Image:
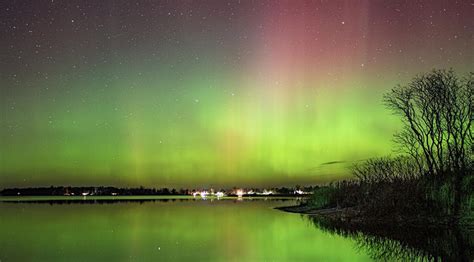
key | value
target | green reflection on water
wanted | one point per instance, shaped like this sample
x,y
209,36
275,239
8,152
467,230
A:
x,y
225,230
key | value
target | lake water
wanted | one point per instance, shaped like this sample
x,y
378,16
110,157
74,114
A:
x,y
167,230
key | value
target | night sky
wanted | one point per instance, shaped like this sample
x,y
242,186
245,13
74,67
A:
x,y
210,93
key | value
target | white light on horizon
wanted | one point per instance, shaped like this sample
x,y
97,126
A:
x,y
219,194
203,194
240,193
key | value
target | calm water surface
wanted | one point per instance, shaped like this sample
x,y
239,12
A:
x,y
194,230
180,230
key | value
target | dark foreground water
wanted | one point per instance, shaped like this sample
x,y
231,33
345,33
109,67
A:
x,y
171,230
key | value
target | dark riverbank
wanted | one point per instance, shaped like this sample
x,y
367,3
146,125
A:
x,y
308,210
352,217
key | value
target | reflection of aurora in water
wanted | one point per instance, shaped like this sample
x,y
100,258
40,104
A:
x,y
392,243
175,230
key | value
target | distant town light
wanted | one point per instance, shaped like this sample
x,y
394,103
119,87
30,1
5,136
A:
x,y
203,194
219,194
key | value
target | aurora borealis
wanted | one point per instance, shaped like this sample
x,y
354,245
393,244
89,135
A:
x,y
210,93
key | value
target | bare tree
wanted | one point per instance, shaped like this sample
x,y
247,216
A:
x,y
436,109
437,115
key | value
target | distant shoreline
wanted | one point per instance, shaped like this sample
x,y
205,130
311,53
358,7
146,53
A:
x,y
68,191
131,198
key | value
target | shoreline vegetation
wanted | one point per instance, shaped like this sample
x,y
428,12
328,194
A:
x,y
417,202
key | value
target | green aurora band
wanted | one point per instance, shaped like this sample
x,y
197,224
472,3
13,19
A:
x,y
257,110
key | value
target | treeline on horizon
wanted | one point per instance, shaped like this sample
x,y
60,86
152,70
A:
x,y
430,179
133,191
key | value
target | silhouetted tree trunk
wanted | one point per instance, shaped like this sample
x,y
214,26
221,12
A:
x,y
437,114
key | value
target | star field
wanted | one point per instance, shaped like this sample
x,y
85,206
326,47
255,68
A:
x,y
200,93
